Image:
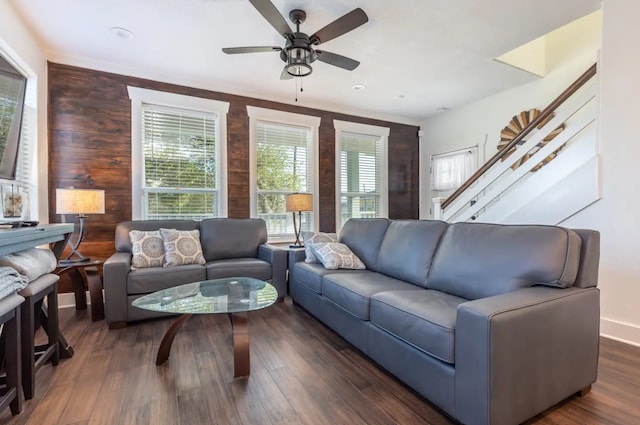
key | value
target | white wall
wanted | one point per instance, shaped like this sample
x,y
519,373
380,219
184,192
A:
x,y
482,120
616,215
17,41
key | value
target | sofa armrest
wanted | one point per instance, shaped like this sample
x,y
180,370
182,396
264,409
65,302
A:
x,y
277,257
519,353
115,271
296,255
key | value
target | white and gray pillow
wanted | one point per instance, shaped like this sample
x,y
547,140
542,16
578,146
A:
x,y
310,238
182,247
335,255
147,248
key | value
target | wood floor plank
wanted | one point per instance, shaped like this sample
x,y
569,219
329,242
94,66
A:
x,y
192,406
106,410
50,409
302,373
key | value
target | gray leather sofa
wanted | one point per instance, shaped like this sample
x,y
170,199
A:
x,y
231,247
492,323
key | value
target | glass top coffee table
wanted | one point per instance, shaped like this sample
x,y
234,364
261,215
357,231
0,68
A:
x,y
235,296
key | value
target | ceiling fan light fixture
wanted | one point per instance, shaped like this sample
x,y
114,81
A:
x,y
298,60
299,69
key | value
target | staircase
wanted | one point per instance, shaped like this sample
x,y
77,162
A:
x,y
512,188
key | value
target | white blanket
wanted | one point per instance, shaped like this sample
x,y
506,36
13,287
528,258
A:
x,y
11,281
32,263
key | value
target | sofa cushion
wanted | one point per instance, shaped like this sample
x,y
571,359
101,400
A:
x,y
181,247
425,319
476,260
143,281
245,267
407,249
310,238
364,236
353,291
310,275
223,238
123,242
335,255
147,248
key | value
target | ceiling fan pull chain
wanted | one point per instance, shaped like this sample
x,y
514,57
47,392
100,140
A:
x,y
296,89
301,90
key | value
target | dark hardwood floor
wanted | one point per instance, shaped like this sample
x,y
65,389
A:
x,y
301,373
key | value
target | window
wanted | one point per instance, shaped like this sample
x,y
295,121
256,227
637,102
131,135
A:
x,y
283,151
450,170
361,171
178,156
18,138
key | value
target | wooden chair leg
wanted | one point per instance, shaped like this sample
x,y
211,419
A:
x,y
583,392
28,347
52,324
13,360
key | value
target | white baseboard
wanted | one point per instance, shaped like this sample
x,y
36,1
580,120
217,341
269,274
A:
x,y
68,299
619,331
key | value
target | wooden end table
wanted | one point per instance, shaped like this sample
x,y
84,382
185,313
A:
x,y
81,273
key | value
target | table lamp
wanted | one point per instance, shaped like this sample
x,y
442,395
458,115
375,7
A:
x,y
81,202
298,202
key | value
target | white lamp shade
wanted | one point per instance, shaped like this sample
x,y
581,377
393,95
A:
x,y
79,201
299,202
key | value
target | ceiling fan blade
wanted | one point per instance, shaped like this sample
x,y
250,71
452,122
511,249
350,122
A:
x,y
250,49
273,16
340,26
285,75
337,60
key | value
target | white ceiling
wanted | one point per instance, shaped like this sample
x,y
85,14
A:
x,y
416,55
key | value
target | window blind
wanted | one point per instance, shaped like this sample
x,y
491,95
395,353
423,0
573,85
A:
x,y
12,93
360,176
180,163
18,118
284,165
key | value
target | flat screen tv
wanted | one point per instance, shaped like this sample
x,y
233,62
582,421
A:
x,y
13,86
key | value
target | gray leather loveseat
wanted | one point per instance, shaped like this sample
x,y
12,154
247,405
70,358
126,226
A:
x,y
492,323
231,247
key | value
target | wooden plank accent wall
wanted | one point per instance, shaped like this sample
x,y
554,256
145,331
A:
x,y
90,146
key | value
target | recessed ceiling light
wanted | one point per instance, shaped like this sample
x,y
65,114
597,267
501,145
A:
x,y
122,33
358,87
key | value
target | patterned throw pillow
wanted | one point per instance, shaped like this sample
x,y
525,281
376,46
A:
x,y
147,249
182,247
335,255
310,238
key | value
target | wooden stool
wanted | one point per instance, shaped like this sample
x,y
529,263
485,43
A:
x,y
10,317
35,356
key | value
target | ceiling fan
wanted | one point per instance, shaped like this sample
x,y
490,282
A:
x,y
298,52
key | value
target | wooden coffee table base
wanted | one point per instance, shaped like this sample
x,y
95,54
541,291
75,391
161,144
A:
x,y
240,331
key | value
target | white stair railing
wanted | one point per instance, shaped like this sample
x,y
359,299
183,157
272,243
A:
x,y
578,113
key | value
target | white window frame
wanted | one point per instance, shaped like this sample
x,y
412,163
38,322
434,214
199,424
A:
x,y
370,130
27,175
280,117
139,96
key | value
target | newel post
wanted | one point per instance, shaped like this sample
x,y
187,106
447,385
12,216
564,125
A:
x,y
437,208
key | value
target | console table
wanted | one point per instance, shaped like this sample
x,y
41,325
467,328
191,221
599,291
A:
x,y
21,238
